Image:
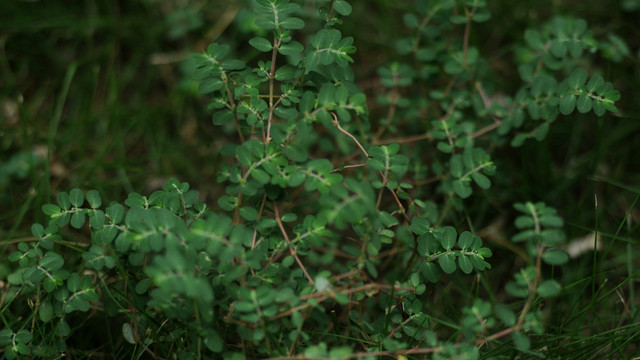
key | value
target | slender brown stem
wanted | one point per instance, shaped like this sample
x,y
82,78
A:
x,y
532,290
337,125
384,178
487,104
291,248
485,130
403,140
348,167
331,12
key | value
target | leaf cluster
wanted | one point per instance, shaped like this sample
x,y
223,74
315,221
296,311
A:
x,y
336,230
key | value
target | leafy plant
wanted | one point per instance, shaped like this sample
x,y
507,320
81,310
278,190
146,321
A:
x,y
337,231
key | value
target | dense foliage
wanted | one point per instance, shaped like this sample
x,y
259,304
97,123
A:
x,y
347,223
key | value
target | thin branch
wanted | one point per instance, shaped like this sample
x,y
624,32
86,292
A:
x,y
485,130
403,140
348,167
291,248
384,178
337,125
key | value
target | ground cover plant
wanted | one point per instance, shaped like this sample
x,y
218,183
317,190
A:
x,y
429,213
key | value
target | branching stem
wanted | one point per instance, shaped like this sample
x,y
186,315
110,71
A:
x,y
291,248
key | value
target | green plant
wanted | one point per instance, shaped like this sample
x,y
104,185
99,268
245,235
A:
x,y
339,229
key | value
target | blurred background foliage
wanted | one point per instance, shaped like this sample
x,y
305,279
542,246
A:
x,y
93,95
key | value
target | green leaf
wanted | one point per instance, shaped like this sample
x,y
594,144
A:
x,y
291,48
51,261
287,72
340,352
521,341
533,39
465,240
288,261
249,213
321,284
431,272
261,44
73,282
210,85
465,264
63,329
93,197
551,221
608,106
37,230
266,23
426,242
567,104
327,94
142,286
481,180
23,336
555,257
410,20
134,200
261,176
342,7
558,48
481,15
485,252
63,220
612,95
419,225
595,83
598,108
448,263
212,340
456,165
232,65
115,212
449,236
524,236
45,311
524,221
504,313
50,209
549,288
577,78
541,131
292,23
244,155
76,197
289,217
64,201
462,188
127,333
583,104
222,117
295,153
444,147
77,219
458,19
